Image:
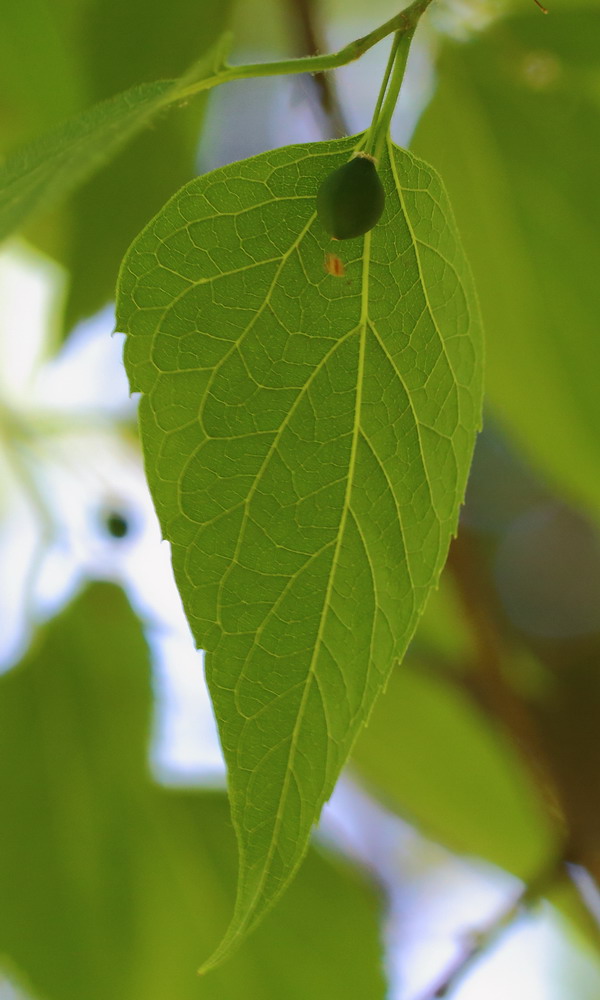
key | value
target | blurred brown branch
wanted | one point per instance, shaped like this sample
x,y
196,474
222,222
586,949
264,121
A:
x,y
478,941
488,679
556,735
309,37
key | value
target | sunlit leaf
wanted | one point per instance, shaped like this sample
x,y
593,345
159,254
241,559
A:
x,y
307,442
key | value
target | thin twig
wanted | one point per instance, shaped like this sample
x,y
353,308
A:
x,y
310,38
404,22
478,942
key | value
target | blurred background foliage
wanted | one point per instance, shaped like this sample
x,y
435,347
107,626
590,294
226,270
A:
x,y
57,59
115,885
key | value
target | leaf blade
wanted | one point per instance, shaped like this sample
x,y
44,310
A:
x,y
306,476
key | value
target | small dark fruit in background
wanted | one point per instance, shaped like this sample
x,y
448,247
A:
x,y
116,524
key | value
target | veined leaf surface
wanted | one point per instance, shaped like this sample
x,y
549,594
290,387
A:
x,y
307,441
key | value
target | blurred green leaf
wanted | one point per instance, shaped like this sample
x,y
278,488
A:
x,y
442,633
50,167
125,44
72,55
322,942
439,762
113,887
41,78
515,131
307,445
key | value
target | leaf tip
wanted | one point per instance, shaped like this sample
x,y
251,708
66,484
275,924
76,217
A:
x,y
229,943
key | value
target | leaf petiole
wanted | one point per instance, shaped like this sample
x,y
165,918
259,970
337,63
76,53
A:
x,y
367,142
375,135
400,49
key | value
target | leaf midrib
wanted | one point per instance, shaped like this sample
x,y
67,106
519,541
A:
x,y
361,329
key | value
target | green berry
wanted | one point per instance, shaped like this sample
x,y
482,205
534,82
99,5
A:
x,y
351,199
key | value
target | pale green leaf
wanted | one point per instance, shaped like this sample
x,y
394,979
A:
x,y
432,755
515,130
49,167
307,441
439,761
35,47
110,885
159,159
85,49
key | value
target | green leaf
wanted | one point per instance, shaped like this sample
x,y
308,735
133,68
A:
x,y
159,159
442,632
86,51
72,772
515,130
323,941
50,167
307,441
34,48
434,757
437,760
111,886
